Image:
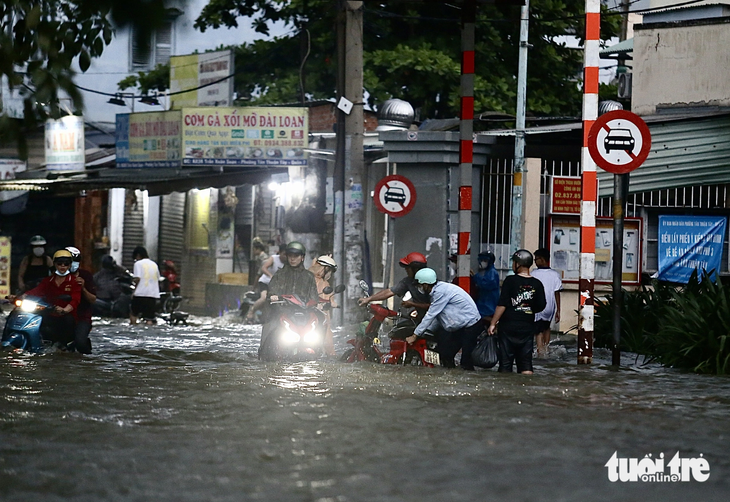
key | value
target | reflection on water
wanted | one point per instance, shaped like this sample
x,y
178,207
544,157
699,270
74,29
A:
x,y
189,413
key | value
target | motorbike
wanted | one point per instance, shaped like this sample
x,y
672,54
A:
x,y
366,344
300,327
247,302
170,298
23,325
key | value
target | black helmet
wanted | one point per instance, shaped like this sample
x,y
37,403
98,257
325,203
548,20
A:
x,y
295,247
523,258
107,261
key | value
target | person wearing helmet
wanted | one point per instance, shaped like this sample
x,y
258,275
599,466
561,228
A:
x,y
292,279
35,266
522,297
86,307
412,263
147,287
486,285
270,266
452,316
59,327
324,269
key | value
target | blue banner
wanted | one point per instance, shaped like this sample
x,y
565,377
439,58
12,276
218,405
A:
x,y
689,243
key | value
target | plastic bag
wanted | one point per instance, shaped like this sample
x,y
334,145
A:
x,y
484,354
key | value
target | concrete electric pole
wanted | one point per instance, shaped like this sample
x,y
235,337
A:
x,y
350,162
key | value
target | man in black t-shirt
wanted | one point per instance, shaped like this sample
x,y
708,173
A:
x,y
412,263
521,298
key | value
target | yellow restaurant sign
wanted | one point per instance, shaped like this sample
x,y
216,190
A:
x,y
200,136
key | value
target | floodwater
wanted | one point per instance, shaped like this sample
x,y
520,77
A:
x,y
188,414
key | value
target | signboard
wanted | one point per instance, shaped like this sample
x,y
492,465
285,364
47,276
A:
x,y
619,141
5,248
395,195
195,70
565,195
565,249
8,168
689,243
65,148
151,139
245,136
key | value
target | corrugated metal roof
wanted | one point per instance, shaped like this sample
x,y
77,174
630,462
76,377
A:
x,y
683,153
620,48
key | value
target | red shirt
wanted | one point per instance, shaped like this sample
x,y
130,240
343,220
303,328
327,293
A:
x,y
49,290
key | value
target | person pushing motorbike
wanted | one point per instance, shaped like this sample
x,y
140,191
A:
x,y
412,263
86,306
292,279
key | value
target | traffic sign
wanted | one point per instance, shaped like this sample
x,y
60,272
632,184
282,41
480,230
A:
x,y
395,195
619,141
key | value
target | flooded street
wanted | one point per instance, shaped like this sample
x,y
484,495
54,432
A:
x,y
189,414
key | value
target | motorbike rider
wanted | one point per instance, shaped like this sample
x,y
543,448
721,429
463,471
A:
x,y
454,312
268,268
35,266
412,263
324,269
86,307
292,279
107,286
60,325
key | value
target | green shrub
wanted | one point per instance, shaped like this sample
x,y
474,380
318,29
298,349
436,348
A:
x,y
695,330
684,327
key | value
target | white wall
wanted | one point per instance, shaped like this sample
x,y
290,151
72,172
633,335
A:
x,y
106,71
681,66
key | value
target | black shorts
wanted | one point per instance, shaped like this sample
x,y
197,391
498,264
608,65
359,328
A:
x,y
143,306
541,326
515,347
261,286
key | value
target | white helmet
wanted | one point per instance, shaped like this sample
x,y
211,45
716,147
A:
x,y
75,253
327,261
37,240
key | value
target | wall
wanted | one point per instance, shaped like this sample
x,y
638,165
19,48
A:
x,y
681,65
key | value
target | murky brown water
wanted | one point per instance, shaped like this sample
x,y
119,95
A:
x,y
187,414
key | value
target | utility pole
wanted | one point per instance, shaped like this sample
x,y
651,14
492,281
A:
x,y
589,193
350,161
466,142
517,237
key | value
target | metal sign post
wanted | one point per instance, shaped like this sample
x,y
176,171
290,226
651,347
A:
x,y
618,142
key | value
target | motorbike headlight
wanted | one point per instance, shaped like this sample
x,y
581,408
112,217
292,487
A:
x,y
28,305
288,336
313,336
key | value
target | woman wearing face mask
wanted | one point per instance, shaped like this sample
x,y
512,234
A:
x,y
324,269
60,326
86,307
35,266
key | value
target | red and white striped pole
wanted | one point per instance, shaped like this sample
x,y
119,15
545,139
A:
x,y
588,190
466,144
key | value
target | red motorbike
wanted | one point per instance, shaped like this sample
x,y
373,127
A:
x,y
299,330
365,345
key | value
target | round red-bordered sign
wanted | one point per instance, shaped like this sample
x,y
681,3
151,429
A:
x,y
394,195
619,141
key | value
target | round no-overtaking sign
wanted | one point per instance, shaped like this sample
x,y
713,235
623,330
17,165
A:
x,y
395,195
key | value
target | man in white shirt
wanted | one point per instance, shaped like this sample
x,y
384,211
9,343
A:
x,y
553,285
147,290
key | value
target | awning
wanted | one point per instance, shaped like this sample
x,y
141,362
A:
x,y
157,181
620,50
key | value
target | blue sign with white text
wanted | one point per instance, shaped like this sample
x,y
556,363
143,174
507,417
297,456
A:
x,y
689,243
